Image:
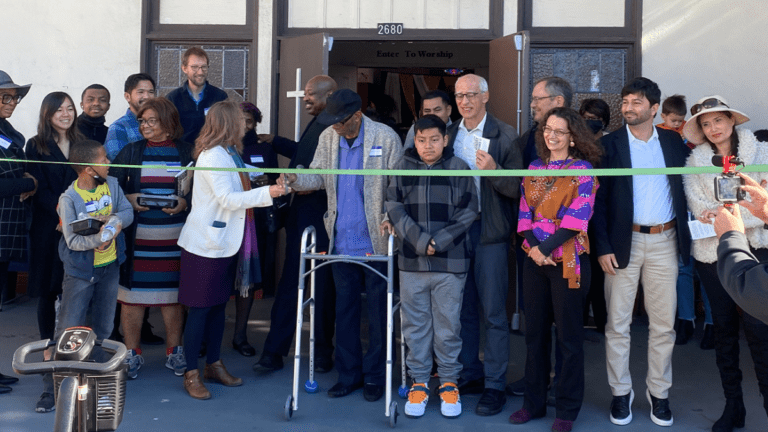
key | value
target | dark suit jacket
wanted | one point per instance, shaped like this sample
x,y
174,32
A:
x,y
614,206
497,194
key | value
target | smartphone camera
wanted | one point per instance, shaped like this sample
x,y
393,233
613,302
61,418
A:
x,y
728,189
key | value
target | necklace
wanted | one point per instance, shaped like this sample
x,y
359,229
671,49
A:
x,y
551,180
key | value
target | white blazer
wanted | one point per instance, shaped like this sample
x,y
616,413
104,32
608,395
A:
x,y
215,226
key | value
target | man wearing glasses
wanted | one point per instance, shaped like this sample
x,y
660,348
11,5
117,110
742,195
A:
x,y
196,95
138,88
549,92
486,143
353,220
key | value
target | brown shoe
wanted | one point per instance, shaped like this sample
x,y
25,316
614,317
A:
x,y
216,372
194,386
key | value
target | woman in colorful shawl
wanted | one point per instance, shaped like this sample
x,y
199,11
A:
x,y
554,214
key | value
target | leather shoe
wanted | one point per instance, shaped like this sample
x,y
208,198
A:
x,y
516,388
475,386
194,386
5,379
216,372
323,365
491,402
268,363
5,389
244,348
733,416
340,390
373,392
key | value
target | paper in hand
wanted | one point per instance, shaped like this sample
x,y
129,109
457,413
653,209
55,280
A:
x,y
701,230
481,143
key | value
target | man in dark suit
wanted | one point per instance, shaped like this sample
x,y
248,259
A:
x,y
307,208
640,229
489,235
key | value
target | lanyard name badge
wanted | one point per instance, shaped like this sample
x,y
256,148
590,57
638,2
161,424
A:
x,y
5,142
257,159
376,151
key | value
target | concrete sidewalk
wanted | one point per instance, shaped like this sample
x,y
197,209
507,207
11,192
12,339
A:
x,y
156,400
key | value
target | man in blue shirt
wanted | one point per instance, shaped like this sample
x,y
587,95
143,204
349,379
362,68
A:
x,y
196,95
355,213
138,88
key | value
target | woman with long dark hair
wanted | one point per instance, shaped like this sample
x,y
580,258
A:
x,y
554,214
57,133
218,241
712,128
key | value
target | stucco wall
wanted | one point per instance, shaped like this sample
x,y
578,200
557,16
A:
x,y
704,47
67,45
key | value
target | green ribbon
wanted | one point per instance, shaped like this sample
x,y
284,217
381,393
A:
x,y
600,172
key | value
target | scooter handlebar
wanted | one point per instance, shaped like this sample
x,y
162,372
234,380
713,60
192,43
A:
x,y
21,366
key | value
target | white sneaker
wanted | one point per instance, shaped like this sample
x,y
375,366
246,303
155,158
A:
x,y
450,401
134,362
176,361
418,396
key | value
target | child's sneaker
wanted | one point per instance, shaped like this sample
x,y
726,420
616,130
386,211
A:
x,y
450,401
46,403
134,362
418,397
176,361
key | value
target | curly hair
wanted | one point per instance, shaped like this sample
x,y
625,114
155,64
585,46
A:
x,y
251,109
585,146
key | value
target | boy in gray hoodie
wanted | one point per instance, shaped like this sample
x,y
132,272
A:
x,y
430,216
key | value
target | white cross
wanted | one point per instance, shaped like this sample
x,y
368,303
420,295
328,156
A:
x,y
299,95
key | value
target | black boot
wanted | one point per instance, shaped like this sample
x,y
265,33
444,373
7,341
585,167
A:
x,y
733,416
708,339
684,330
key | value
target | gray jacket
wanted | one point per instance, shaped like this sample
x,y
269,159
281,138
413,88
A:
x,y
327,157
76,251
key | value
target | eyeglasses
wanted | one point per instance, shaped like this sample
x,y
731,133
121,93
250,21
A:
x,y
151,122
343,122
469,96
535,99
199,68
706,104
557,132
8,98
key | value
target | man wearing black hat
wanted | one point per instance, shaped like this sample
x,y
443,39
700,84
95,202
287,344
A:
x,y
355,212
306,209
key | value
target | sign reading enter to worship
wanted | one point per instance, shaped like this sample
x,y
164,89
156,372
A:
x,y
390,29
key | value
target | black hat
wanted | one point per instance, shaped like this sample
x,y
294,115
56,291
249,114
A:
x,y
340,105
7,83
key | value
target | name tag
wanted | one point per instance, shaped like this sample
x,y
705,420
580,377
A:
x,y
257,159
205,111
91,207
173,168
376,151
5,142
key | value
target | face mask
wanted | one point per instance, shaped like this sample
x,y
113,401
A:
x,y
595,125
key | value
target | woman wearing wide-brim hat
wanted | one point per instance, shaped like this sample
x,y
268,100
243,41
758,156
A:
x,y
16,185
712,128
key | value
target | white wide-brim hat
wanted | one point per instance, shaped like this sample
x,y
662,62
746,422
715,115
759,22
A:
x,y
692,131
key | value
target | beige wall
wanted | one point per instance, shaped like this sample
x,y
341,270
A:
x,y
67,45
704,47
357,14
203,12
578,13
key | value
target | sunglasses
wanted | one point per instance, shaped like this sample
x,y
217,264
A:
x,y
707,104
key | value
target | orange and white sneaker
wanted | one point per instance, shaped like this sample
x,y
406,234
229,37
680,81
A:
x,y
418,397
450,401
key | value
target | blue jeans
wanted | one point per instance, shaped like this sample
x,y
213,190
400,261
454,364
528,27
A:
x,y
486,288
351,280
100,293
686,295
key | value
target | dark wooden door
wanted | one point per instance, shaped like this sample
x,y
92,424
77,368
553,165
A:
x,y
507,78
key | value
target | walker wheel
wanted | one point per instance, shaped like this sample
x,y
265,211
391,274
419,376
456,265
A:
x,y
403,392
311,387
289,408
393,414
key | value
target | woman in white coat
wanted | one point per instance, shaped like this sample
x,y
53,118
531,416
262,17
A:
x,y
713,129
218,242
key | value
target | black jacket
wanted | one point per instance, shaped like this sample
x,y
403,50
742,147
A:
x,y
497,194
743,277
92,128
129,180
614,205
527,145
192,115
14,215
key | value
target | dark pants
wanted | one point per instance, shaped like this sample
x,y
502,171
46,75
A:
x,y
725,315
548,299
305,210
351,280
207,324
485,292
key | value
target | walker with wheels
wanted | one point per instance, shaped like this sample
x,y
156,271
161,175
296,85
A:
x,y
90,396
309,253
